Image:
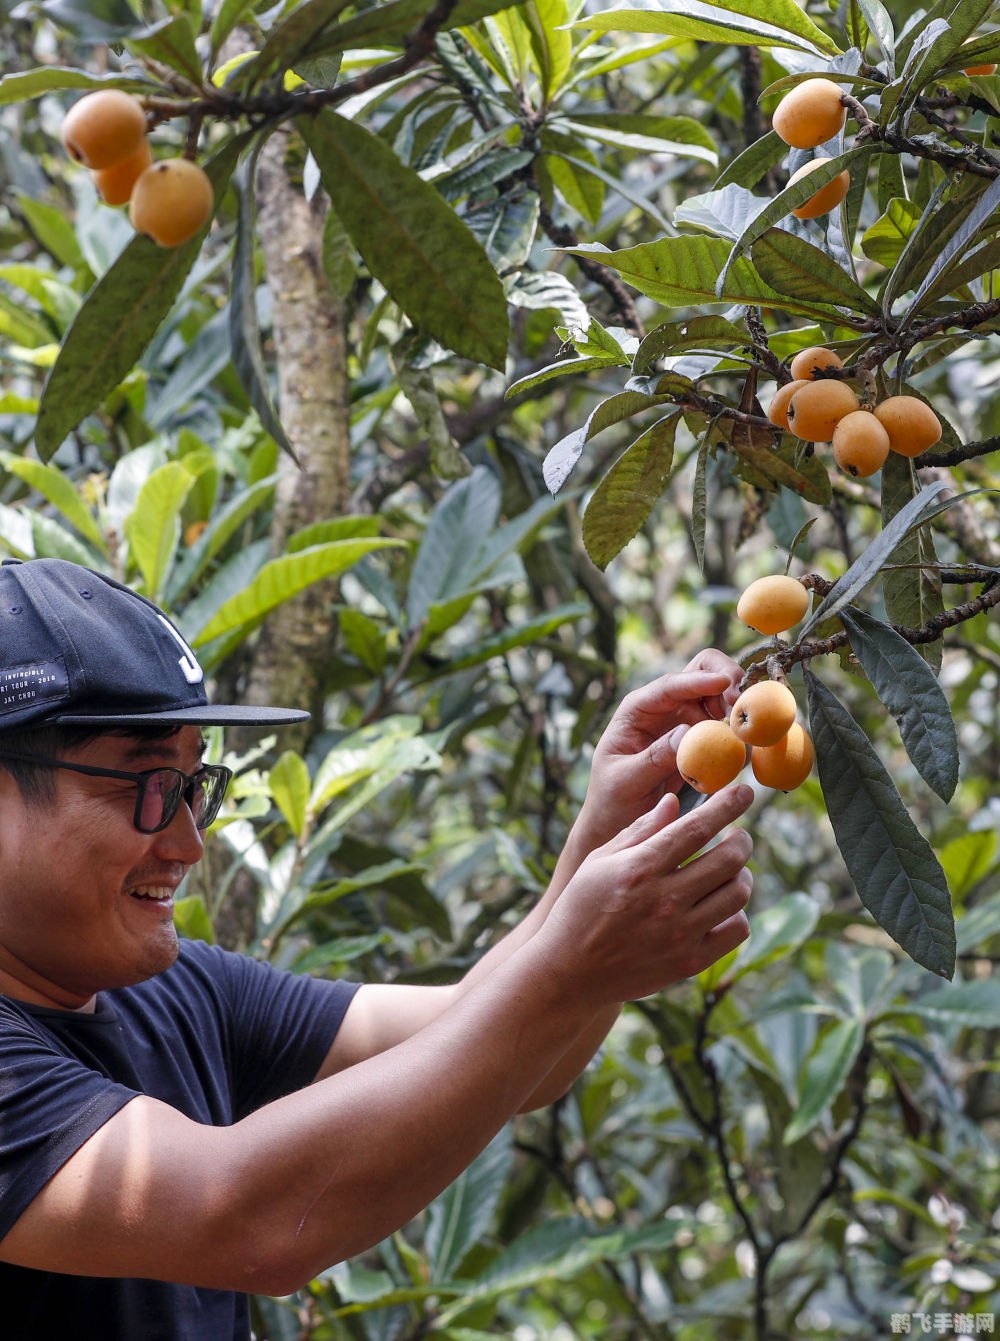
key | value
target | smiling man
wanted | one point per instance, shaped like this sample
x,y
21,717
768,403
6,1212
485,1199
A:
x,y
181,1126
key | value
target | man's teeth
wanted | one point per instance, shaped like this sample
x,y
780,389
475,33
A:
x,y
159,893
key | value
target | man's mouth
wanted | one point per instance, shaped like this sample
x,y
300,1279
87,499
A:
x,y
153,893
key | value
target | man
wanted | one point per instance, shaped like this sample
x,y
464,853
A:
x,y
181,1126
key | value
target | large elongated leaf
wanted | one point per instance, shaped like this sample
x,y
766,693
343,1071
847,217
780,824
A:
x,y
171,42
118,320
975,1005
775,932
560,459
978,217
759,23
460,1216
911,587
793,266
23,84
411,240
391,23
284,577
153,527
629,491
823,1076
865,568
896,874
682,272
244,331
58,489
910,690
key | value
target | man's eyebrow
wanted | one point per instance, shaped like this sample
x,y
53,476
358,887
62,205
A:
x,y
167,747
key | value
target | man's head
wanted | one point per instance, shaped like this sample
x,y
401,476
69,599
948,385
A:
x,y
102,788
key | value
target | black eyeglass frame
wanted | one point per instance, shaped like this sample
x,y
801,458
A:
x,y
141,780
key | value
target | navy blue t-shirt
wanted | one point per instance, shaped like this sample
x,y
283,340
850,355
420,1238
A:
x,y
216,1036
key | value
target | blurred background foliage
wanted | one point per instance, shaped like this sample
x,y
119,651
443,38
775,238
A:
x,y
804,1140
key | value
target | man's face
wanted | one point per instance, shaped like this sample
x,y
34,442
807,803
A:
x,y
86,900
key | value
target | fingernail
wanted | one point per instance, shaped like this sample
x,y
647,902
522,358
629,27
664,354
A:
x,y
744,794
675,736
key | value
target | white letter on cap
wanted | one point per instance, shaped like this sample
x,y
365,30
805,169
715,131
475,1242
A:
x,y
188,663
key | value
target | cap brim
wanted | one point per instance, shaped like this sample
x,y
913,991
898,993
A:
x,y
206,714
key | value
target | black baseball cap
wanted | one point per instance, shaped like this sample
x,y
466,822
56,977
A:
x,y
79,648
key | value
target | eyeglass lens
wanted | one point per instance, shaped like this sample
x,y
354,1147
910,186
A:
x,y
162,795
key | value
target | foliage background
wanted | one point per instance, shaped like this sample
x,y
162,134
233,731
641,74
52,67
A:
x,y
805,1140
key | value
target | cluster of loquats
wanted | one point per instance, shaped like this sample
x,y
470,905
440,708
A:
x,y
820,408
169,200
807,117
763,718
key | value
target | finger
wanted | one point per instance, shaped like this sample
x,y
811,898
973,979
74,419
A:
x,y
677,841
723,938
726,899
711,659
718,863
664,813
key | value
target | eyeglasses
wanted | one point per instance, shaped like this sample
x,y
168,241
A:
x,y
160,789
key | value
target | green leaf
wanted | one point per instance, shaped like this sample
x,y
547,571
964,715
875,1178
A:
x,y
824,1074
793,266
911,590
796,193
392,23
54,231
57,488
458,1219
244,331
171,43
910,690
978,218
118,319
775,933
968,859
531,631
222,525
284,577
411,240
972,1005
759,23
93,20
24,84
629,491
679,135
290,786
551,44
682,272
226,18
560,459
677,337
895,872
20,326
153,527
450,559
699,501
884,241
191,918
868,565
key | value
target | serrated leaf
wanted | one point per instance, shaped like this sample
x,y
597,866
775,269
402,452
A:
x,y
54,231
896,874
824,1074
629,491
20,85
759,23
282,578
392,23
790,197
699,501
117,320
564,368
290,786
682,272
411,240
793,266
682,136
880,26
291,38
868,565
979,216
221,527
676,337
884,241
910,690
560,459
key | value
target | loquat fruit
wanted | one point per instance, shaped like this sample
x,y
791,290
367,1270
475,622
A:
x,y
860,444
171,201
777,411
787,764
911,425
773,604
103,128
710,756
816,409
810,114
808,362
763,713
115,183
827,198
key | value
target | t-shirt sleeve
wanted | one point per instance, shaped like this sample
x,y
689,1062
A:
x,y
280,1025
50,1104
